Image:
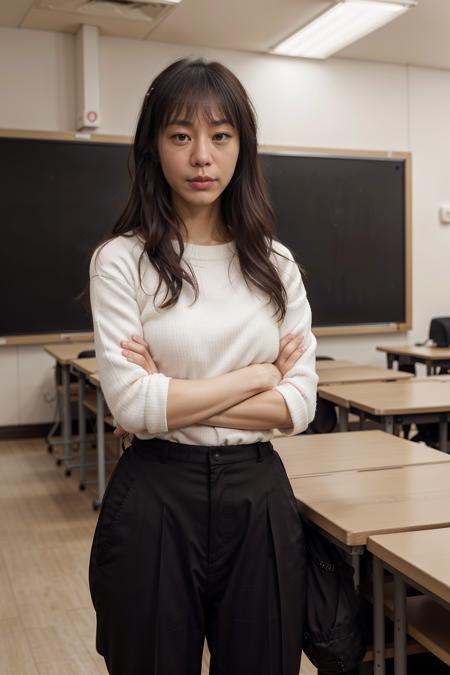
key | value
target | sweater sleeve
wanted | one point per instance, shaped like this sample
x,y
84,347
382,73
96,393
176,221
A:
x,y
136,399
299,384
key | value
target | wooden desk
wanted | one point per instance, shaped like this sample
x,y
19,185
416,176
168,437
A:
x,y
422,556
334,363
95,379
351,506
420,559
86,366
351,451
82,368
64,353
414,400
430,356
359,373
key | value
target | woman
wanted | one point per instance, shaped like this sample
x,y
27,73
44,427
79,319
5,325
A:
x,y
199,533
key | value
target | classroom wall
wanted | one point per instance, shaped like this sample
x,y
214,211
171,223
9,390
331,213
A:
x,y
337,103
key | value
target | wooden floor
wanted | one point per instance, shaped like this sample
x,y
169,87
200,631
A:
x,y
47,623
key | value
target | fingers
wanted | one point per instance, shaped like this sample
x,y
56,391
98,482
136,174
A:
x,y
135,346
138,338
119,431
290,343
291,348
136,358
294,355
290,336
286,340
295,344
137,351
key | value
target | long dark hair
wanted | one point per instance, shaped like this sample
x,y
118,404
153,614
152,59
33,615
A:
x,y
188,85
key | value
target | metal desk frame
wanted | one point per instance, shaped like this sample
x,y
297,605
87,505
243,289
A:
x,y
401,581
431,364
389,421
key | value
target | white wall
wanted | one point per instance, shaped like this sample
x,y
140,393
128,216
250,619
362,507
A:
x,y
338,103
37,86
430,143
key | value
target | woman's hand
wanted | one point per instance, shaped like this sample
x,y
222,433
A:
x,y
136,351
120,431
291,348
272,373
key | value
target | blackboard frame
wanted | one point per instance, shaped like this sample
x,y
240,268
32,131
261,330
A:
x,y
406,157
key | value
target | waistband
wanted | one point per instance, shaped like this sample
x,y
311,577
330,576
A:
x,y
169,451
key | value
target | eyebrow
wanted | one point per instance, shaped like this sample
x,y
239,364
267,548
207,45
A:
x,y
188,123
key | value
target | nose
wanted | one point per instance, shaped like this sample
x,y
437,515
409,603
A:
x,y
201,154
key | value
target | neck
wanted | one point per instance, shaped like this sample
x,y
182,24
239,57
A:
x,y
202,223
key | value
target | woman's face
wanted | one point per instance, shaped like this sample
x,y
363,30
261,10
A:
x,y
199,149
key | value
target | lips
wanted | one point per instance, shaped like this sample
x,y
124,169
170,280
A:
x,y
201,179
201,182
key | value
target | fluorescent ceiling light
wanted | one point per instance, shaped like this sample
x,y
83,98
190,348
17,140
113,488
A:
x,y
339,26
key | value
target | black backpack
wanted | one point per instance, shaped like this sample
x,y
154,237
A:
x,y
334,639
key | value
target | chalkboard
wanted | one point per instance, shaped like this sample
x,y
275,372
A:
x,y
58,199
343,218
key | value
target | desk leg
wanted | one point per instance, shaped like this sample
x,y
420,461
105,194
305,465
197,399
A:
x,y
389,424
67,419
343,419
378,617
390,360
362,421
82,429
429,366
400,667
100,448
356,560
443,432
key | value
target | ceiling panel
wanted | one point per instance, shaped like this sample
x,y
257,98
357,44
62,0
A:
x,y
253,25
419,37
13,11
69,22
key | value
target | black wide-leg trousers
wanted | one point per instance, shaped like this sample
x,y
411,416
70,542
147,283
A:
x,y
194,541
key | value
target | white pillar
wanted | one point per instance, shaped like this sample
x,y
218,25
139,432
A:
x,y
87,76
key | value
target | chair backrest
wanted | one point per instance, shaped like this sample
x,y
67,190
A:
x,y
405,365
325,419
87,354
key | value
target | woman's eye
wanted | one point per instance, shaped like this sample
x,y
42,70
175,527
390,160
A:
x,y
223,136
180,137
183,138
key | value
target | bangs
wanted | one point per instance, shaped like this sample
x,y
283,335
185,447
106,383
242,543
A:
x,y
198,93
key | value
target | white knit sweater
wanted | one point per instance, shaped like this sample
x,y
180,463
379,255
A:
x,y
229,326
